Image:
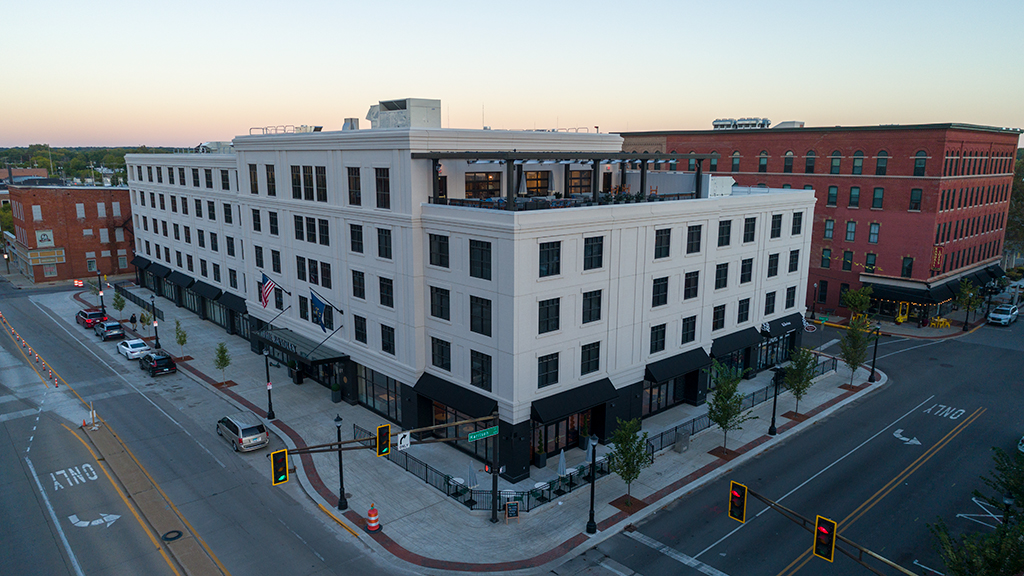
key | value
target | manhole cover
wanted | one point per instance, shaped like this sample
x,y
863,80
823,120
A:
x,y
934,359
946,365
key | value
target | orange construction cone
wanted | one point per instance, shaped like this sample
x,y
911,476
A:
x,y
55,383
372,523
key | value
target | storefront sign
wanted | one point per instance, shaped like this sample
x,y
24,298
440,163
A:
x,y
937,251
280,342
44,238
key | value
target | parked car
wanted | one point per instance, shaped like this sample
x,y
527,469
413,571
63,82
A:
x,y
1004,314
90,316
157,363
109,330
243,431
1020,445
133,349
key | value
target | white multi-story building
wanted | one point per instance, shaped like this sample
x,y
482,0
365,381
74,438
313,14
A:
x,y
467,271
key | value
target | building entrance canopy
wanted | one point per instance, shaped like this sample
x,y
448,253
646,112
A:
x,y
678,365
454,396
573,401
298,346
725,345
784,325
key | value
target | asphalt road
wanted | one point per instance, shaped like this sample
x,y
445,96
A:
x,y
883,468
169,424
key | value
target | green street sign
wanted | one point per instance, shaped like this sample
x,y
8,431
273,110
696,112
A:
x,y
485,433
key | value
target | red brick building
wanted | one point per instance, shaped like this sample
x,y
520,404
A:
x,y
61,233
908,209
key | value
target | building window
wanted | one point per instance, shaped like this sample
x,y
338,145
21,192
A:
x,y
550,259
271,219
794,260
836,159
321,183
662,243
724,232
548,313
271,181
920,159
202,268
876,198
593,253
690,282
358,285
873,233
480,315
693,239
869,263
881,163
776,230
718,317
275,261
480,259
227,212
387,339
851,231
915,199
822,291
826,257
314,268
296,182
908,267
324,232
438,250
749,228
689,329
858,162
216,272
359,325
659,292
773,265
310,229
829,229
441,354
843,289
440,303
790,297
787,162
307,182
743,311
591,306
387,292
300,268
854,197
833,196
736,161
208,173
847,260
762,161
746,270
200,236
279,298
547,370
213,242
480,370
383,181
488,184
809,162
590,358
657,338
769,303
798,223
188,261
356,235
384,243
721,276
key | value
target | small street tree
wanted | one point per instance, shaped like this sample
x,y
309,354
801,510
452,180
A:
x,y
859,300
145,319
222,360
725,409
118,303
629,457
853,348
968,298
799,373
180,336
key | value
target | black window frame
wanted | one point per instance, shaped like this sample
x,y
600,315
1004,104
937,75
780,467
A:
x,y
438,248
659,292
548,315
691,284
591,306
721,275
480,315
724,233
550,259
718,317
590,358
547,370
693,234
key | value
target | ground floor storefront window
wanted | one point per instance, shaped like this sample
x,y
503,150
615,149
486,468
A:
x,y
482,449
380,393
774,351
192,301
556,436
217,313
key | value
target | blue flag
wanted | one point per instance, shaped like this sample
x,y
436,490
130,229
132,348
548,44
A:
x,y
318,310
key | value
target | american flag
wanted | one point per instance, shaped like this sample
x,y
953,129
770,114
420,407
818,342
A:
x,y
268,289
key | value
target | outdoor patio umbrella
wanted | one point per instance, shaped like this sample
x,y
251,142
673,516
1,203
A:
x,y
561,463
590,450
471,481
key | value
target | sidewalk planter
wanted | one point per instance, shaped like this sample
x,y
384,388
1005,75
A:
x,y
540,459
336,394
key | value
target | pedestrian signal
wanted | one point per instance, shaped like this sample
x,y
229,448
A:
x,y
737,501
824,538
383,439
279,467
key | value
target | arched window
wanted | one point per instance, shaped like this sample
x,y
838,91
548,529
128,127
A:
x,y
714,162
881,163
920,159
836,159
691,164
762,161
672,163
787,165
858,162
736,161
809,164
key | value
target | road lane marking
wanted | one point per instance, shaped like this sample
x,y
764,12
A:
x,y
674,554
911,348
819,473
107,519
56,522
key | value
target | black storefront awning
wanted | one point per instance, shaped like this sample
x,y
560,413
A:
x,y
669,368
140,262
554,408
299,347
205,290
784,325
730,343
180,279
945,291
233,302
158,270
462,399
996,271
902,294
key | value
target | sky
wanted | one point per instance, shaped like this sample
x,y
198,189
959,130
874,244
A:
x,y
111,73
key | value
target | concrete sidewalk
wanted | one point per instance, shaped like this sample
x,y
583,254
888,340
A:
x,y
423,526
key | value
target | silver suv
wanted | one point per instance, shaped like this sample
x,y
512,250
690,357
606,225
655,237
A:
x,y
109,330
244,431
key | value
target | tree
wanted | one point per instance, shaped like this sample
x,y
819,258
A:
x,y
629,457
968,298
180,336
222,360
1015,215
800,372
145,319
859,300
853,348
725,409
6,219
118,303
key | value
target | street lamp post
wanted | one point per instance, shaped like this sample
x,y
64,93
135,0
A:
x,y
7,261
814,303
874,356
270,399
1007,502
99,284
342,501
156,331
772,430
591,525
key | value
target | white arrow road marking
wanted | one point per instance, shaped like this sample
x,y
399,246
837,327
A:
x,y
908,441
107,519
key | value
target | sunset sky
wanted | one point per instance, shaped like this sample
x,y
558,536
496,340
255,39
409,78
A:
x,y
180,73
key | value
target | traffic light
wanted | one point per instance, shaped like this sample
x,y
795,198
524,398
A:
x,y
383,439
279,467
737,501
824,538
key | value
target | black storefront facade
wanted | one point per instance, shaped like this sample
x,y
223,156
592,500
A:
x,y
921,301
781,336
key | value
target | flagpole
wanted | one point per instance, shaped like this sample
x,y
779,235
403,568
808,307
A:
x,y
310,353
325,301
275,283
271,321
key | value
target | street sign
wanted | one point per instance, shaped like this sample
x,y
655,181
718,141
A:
x,y
403,440
485,433
810,328
269,385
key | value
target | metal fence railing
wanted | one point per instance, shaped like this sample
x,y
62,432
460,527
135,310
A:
x,y
140,302
474,499
826,365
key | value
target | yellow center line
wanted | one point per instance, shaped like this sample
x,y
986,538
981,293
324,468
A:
x,y
882,492
127,502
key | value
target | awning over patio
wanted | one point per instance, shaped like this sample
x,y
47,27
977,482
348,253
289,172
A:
x,y
180,279
233,302
205,290
458,397
904,294
158,270
140,262
554,408
669,368
724,345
